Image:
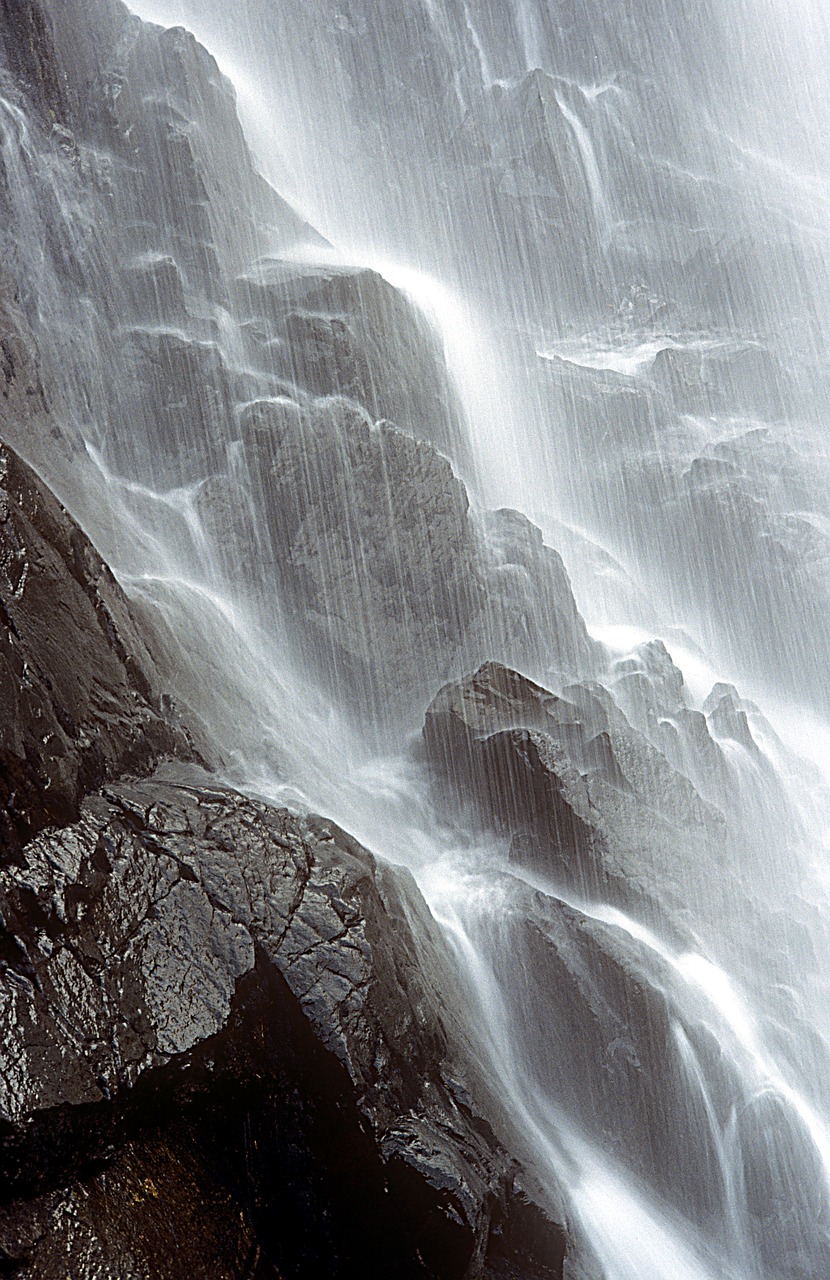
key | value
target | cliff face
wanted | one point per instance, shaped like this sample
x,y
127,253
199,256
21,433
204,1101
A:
x,y
224,1051
231,1040
235,1042
81,698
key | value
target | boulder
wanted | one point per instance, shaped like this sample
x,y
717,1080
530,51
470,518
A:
x,y
376,551
237,1012
586,800
346,331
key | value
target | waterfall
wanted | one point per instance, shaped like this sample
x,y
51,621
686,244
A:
x,y
331,451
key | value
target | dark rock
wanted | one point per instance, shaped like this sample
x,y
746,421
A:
x,y
182,389
155,1209
27,40
371,529
81,700
204,993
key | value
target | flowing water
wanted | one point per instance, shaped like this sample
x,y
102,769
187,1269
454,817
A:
x,y
614,222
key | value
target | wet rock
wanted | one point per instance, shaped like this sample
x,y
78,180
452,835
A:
x,y
735,529
376,550
586,799
725,378
531,612
157,99
81,700
203,992
592,1013
347,331
182,389
727,717
785,1185
399,572
27,40
154,1210
24,407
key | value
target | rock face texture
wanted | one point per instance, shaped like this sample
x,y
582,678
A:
x,y
416,575
573,783
757,482
328,384
224,1051
348,332
221,1005
228,1045
588,803
80,695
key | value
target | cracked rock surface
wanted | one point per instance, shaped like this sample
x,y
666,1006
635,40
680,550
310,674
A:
x,y
232,996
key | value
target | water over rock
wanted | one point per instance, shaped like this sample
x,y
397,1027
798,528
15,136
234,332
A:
x,y
82,699
347,331
225,1006
573,783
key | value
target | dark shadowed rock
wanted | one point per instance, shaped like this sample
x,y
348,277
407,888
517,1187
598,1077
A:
x,y
245,987
153,1211
80,699
27,41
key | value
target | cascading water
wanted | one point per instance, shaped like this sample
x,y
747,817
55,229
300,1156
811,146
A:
x,y
614,239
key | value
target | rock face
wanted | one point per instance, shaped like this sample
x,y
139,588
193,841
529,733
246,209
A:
x,y
225,1053
586,798
590,804
734,518
309,403
594,965
80,695
346,331
222,1000
415,575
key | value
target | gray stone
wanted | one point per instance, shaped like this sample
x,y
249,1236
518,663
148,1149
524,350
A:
x,y
82,700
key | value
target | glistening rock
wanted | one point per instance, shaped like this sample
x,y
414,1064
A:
x,y
195,981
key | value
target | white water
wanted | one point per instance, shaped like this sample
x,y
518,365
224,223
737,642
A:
x,y
282,737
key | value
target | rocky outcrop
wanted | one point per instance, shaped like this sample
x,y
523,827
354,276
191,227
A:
x,y
595,1015
585,798
157,102
224,1007
309,403
414,574
732,519
347,331
81,698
